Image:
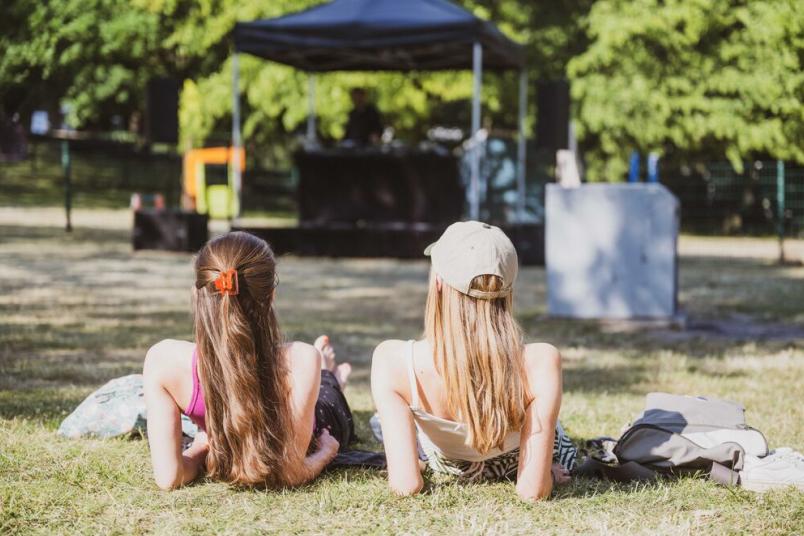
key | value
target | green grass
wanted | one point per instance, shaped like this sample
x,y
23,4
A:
x,y
77,310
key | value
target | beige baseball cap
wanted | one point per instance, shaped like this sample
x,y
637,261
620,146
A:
x,y
468,249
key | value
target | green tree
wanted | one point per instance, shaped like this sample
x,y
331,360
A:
x,y
87,53
97,56
712,77
274,96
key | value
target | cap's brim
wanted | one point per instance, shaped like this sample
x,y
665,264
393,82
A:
x,y
429,249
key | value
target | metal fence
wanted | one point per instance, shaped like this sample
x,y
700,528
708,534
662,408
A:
x,y
766,198
106,173
103,174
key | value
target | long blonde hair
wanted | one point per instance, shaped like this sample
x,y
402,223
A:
x,y
240,364
477,349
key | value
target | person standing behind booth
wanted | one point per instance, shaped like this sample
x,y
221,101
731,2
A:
x,y
365,124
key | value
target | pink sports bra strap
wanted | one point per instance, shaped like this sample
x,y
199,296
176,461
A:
x,y
192,409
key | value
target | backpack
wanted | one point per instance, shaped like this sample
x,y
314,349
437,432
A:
x,y
678,435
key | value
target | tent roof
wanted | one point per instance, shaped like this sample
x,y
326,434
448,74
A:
x,y
378,35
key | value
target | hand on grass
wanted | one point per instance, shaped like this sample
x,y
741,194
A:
x,y
326,450
560,474
327,446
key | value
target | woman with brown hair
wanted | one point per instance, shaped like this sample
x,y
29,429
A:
x,y
481,402
270,413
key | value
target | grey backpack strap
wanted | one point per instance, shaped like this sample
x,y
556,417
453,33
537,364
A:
x,y
626,472
630,471
724,476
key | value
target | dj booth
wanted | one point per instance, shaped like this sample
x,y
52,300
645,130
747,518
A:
x,y
380,202
357,202
377,185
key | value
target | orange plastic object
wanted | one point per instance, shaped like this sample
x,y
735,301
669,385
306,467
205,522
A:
x,y
226,283
210,155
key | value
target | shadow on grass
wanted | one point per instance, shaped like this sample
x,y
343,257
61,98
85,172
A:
x,y
577,488
76,336
45,406
364,436
65,370
584,487
617,378
702,338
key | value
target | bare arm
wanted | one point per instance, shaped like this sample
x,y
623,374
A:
x,y
314,464
399,431
172,468
305,367
534,479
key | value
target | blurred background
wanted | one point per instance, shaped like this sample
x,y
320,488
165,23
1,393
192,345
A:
x,y
711,90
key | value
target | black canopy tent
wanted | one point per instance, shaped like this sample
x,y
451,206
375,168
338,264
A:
x,y
386,35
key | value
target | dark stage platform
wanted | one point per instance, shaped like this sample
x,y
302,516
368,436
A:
x,y
402,241
371,185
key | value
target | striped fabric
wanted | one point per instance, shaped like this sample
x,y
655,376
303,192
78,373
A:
x,y
502,467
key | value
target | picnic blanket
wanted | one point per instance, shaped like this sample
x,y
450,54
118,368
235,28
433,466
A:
x,y
117,409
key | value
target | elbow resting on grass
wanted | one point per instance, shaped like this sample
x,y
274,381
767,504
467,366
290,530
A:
x,y
533,495
407,487
167,482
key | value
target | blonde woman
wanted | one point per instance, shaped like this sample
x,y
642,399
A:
x,y
482,403
271,413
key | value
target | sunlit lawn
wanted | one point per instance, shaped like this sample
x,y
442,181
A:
x,y
78,310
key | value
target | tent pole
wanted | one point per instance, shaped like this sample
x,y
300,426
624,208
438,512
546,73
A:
x,y
311,108
236,141
520,172
477,71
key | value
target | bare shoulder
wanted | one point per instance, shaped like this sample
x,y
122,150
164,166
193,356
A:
x,y
389,355
542,356
303,353
168,358
304,360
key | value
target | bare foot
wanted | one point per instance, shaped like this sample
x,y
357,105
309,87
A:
x,y
327,352
560,474
342,373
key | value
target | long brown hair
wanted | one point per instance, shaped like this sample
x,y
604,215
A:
x,y
240,363
477,347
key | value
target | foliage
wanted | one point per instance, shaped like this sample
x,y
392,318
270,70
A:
x,y
707,76
275,96
95,55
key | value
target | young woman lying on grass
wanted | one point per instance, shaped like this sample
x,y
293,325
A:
x,y
484,403
270,413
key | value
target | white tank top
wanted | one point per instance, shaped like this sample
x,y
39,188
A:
x,y
443,435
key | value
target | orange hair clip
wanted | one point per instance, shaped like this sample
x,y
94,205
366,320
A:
x,y
226,283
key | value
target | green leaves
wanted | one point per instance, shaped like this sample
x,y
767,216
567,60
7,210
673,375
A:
x,y
274,96
703,76
96,55
706,77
